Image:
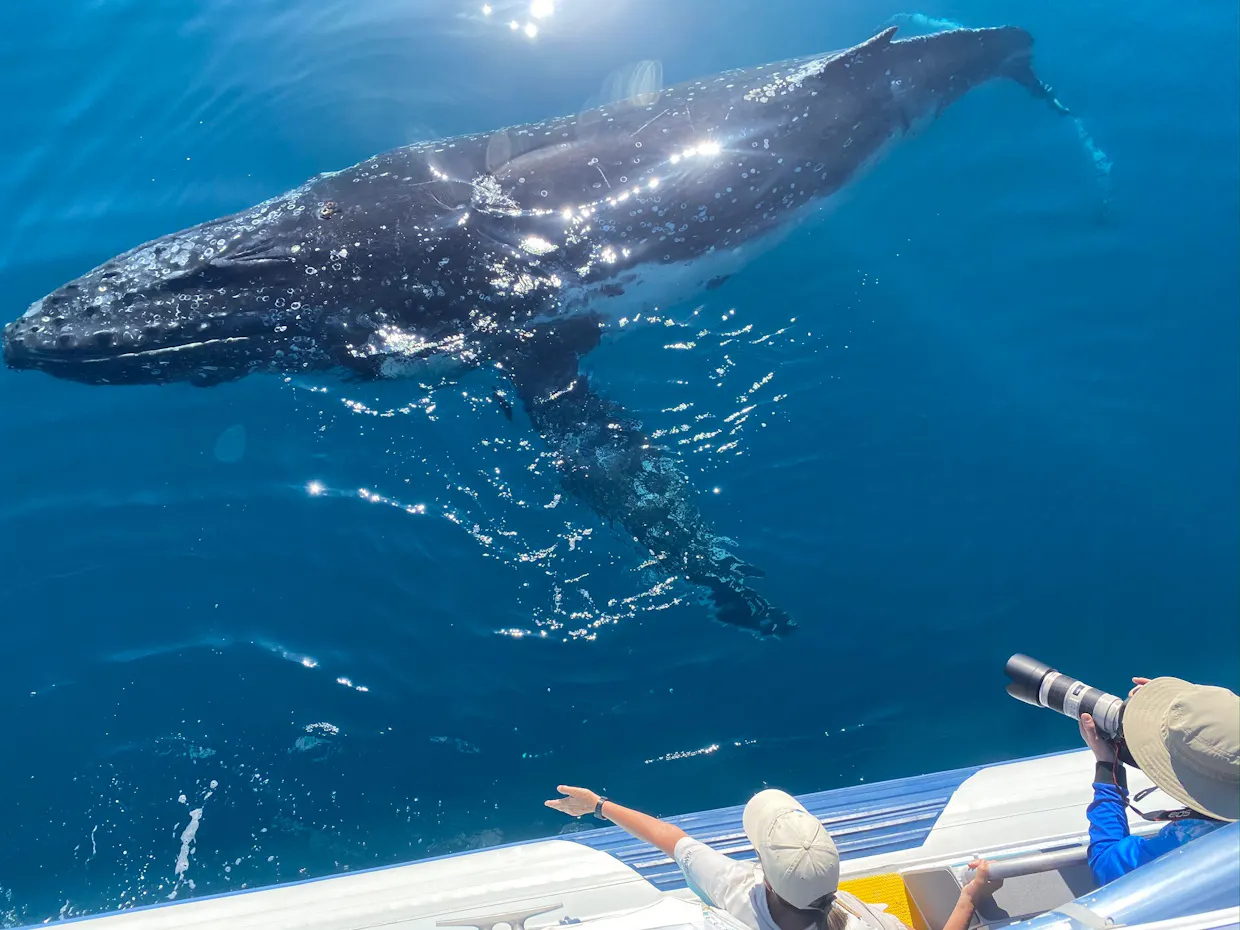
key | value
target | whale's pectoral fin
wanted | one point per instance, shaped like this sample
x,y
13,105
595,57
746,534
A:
x,y
607,461
505,405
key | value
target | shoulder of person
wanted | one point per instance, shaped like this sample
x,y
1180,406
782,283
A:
x,y
1184,830
688,850
716,878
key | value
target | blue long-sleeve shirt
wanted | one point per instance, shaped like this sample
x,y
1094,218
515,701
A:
x,y
1112,850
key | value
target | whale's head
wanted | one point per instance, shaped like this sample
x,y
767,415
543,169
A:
x,y
262,289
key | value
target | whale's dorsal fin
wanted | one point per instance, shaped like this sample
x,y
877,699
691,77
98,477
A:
x,y
845,56
873,44
883,38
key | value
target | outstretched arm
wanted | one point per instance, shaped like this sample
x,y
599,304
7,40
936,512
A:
x,y
580,801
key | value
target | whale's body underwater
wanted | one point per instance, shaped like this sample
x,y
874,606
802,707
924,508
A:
x,y
512,250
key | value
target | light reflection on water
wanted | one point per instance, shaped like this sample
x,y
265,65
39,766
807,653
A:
x,y
503,494
525,19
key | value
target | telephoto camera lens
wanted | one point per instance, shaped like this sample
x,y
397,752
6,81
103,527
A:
x,y
1037,683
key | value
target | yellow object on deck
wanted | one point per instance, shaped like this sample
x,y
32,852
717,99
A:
x,y
883,889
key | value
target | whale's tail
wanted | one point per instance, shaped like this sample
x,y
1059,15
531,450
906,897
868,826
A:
x,y
607,461
1017,66
1007,52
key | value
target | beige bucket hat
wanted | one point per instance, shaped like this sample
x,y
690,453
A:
x,y
1186,738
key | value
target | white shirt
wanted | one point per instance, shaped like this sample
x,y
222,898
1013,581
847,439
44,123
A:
x,y
740,889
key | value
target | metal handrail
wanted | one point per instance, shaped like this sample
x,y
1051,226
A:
x,y
1038,862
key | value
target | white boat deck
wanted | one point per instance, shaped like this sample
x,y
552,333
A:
x,y
934,820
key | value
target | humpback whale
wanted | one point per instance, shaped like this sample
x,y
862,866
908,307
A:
x,y
513,250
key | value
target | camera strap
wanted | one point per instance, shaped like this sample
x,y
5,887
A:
x,y
1181,813
1161,816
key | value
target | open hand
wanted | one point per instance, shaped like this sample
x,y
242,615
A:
x,y
576,803
981,886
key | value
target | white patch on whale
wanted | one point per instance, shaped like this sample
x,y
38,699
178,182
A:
x,y
656,285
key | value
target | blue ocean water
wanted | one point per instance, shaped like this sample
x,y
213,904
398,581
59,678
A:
x,y
990,404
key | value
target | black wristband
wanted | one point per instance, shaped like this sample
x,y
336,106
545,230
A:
x,y
1111,773
598,808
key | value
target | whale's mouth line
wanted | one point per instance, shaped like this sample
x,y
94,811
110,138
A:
x,y
52,359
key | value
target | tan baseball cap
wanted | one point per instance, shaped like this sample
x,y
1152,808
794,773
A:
x,y
1186,738
799,859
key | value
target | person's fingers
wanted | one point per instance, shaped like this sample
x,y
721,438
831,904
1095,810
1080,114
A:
x,y
1140,681
1089,732
563,806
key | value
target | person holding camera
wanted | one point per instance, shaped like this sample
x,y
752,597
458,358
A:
x,y
795,883
1186,739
